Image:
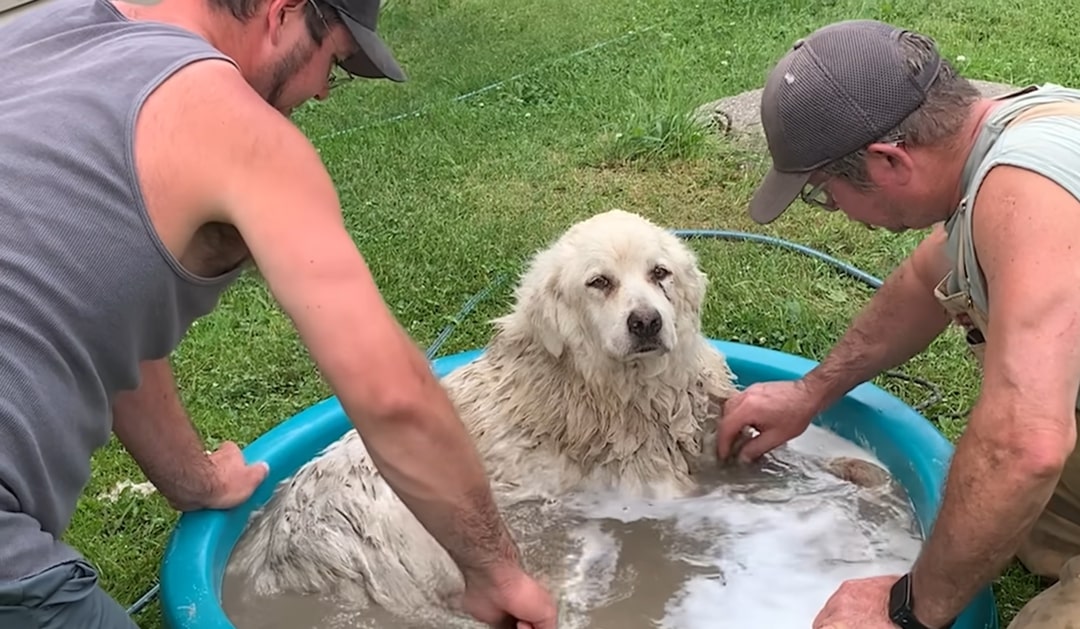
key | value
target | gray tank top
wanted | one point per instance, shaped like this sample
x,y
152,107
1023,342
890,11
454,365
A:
x,y
87,290
1049,146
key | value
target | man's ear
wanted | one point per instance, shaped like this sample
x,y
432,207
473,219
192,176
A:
x,y
279,13
889,163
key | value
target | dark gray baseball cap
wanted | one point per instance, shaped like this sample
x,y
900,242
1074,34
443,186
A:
x,y
374,59
835,91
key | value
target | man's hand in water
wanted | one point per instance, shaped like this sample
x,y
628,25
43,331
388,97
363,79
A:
x,y
506,595
779,411
858,604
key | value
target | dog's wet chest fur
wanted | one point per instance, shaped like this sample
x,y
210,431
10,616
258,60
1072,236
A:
x,y
658,423
655,432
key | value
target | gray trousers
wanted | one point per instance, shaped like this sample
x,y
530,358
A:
x,y
66,595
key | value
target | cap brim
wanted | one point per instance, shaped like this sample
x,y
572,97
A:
x,y
775,194
374,59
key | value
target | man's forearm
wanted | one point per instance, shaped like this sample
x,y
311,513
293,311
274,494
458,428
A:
x,y
994,493
900,320
154,427
424,452
453,499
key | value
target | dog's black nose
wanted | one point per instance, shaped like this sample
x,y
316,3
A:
x,y
644,323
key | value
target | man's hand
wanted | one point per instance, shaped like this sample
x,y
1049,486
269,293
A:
x,y
779,411
858,604
234,479
512,595
900,320
153,425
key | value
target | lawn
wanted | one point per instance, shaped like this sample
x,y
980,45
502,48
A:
x,y
443,192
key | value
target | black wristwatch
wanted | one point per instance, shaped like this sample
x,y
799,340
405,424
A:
x,y
901,604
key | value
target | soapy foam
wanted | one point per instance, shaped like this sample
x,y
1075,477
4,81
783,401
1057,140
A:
x,y
762,546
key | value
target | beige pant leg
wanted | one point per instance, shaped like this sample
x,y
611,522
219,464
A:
x,y
1057,607
1055,538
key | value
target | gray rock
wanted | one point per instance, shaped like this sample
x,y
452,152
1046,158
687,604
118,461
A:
x,y
737,115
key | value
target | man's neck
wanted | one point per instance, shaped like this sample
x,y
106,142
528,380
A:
x,y
218,27
949,162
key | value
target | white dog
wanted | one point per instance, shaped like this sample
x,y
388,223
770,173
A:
x,y
599,378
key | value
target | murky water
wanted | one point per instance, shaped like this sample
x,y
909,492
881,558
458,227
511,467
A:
x,y
763,546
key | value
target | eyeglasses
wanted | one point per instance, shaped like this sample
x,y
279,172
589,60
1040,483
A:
x,y
338,74
818,196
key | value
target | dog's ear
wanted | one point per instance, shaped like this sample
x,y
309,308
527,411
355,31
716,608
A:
x,y
691,281
543,316
535,317
692,291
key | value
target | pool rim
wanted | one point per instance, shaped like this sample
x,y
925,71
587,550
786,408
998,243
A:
x,y
192,571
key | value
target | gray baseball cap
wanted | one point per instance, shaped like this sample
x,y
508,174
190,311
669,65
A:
x,y
374,59
835,91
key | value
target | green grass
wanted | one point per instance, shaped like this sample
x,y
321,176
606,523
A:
x,y
443,201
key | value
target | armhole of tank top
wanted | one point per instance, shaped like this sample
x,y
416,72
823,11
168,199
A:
x,y
993,159
135,186
976,280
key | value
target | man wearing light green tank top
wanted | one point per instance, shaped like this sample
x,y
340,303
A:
x,y
869,119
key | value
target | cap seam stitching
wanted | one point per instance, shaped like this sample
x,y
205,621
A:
x,y
847,97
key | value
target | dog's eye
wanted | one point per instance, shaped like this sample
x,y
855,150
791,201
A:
x,y
660,273
599,282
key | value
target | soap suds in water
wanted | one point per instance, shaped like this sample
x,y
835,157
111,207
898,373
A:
x,y
763,546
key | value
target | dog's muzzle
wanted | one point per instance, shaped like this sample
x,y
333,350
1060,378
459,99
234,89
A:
x,y
644,326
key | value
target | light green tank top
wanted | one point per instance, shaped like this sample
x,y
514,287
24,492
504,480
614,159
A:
x,y
1048,145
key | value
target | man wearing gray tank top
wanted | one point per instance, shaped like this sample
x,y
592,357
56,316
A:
x,y
147,159
869,119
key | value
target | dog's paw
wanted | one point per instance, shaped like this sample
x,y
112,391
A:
x,y
858,471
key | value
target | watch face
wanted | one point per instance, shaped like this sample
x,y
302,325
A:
x,y
900,606
900,603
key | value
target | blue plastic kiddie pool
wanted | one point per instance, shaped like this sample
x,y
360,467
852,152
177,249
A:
x,y
199,547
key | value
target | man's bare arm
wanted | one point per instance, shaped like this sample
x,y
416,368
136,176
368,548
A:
x,y
154,427
901,319
269,182
1023,427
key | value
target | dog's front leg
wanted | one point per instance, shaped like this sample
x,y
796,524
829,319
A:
x,y
714,416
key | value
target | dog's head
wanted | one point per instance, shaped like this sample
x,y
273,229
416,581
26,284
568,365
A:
x,y
614,286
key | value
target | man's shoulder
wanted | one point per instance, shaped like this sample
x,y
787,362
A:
x,y
207,89
1015,194
1057,90
205,141
208,118
1042,148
